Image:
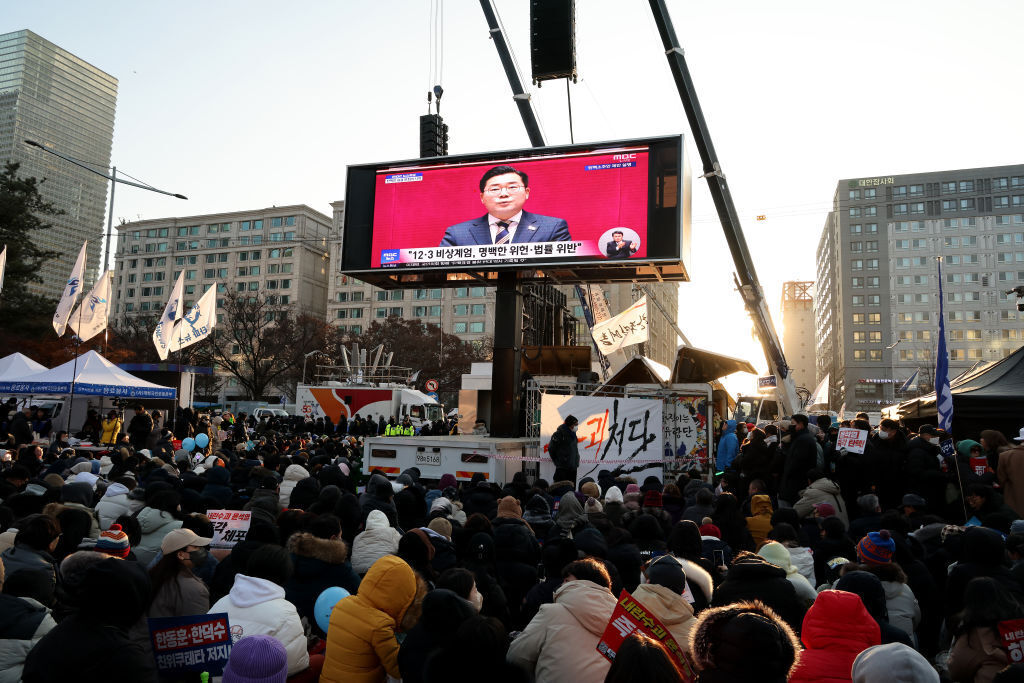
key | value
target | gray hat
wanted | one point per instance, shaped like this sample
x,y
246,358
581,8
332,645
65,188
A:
x,y
914,500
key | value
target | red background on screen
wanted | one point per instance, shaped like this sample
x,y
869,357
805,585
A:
x,y
415,214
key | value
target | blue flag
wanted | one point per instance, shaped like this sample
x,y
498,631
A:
x,y
943,395
911,382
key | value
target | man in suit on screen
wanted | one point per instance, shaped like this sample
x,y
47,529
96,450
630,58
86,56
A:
x,y
503,192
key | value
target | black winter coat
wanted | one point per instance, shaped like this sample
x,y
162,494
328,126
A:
x,y
319,564
801,457
751,577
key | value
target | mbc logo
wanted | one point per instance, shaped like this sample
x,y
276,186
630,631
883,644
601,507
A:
x,y
623,157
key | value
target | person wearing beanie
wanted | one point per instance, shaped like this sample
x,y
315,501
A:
x,y
257,659
711,541
590,489
564,450
613,506
778,555
836,629
114,542
744,642
877,547
892,663
662,595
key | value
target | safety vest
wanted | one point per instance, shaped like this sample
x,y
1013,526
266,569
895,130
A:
x,y
407,431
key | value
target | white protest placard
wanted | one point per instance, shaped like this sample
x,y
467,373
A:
x,y
852,440
628,327
623,435
229,527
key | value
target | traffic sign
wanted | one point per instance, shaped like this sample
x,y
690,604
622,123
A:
x,y
431,385
432,394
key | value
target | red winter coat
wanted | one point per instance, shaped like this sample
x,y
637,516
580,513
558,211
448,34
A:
x,y
836,629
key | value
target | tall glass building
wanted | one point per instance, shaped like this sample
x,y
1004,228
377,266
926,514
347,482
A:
x,y
60,101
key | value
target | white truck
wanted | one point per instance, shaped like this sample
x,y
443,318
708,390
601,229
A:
x,y
463,456
336,400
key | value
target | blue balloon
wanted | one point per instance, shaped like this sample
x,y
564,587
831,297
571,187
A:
x,y
202,440
188,443
325,605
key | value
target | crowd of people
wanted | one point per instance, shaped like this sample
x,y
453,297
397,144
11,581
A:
x,y
796,561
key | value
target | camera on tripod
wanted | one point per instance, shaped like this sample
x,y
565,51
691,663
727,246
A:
x,y
1019,293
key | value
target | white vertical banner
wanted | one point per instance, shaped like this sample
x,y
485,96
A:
x,y
91,317
628,327
70,295
172,312
198,323
686,432
3,266
622,435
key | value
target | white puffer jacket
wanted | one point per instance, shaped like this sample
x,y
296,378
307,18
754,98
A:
x,y
904,612
155,525
292,476
379,539
114,503
23,623
257,607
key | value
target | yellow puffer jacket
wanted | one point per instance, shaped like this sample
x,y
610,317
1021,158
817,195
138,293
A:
x,y
111,428
361,644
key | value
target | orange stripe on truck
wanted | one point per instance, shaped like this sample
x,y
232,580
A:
x,y
463,474
387,470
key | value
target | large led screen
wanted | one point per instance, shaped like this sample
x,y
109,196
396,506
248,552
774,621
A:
x,y
611,203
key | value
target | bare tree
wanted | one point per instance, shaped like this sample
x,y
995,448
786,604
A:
x,y
261,342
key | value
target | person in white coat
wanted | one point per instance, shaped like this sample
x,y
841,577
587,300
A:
x,y
256,605
23,622
156,520
114,503
778,555
292,476
379,539
560,643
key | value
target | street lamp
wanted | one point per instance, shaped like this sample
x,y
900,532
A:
x,y
306,358
891,348
113,182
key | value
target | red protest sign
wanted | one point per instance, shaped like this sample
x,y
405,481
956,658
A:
x,y
630,616
1012,634
979,465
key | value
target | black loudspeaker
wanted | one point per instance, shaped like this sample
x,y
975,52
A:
x,y
553,39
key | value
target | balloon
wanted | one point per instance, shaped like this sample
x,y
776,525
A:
x,y
325,605
188,443
202,440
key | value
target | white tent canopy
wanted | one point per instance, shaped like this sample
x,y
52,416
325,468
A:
x,y
18,365
92,375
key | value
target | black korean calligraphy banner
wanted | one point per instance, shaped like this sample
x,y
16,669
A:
x,y
622,435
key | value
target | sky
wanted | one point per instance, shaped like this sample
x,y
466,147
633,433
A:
x,y
241,105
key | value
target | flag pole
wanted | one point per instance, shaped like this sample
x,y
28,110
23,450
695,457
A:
x,y
74,366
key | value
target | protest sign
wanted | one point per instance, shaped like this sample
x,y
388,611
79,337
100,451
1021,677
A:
x,y
979,465
623,435
947,448
229,527
1011,633
852,440
630,616
196,643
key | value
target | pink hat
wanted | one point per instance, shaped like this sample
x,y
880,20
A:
x,y
632,488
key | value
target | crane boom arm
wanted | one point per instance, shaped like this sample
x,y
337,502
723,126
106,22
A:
x,y
746,275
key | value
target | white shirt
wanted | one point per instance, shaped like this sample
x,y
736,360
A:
x,y
513,223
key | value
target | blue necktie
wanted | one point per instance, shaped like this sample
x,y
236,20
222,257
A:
x,y
502,235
